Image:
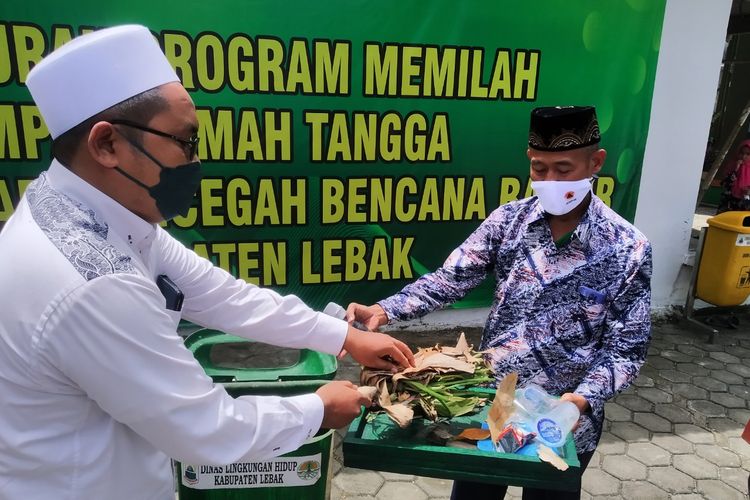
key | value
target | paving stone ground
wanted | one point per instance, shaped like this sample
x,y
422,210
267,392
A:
x,y
674,434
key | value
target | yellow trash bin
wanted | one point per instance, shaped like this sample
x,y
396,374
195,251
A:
x,y
724,273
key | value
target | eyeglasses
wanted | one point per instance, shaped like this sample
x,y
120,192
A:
x,y
189,145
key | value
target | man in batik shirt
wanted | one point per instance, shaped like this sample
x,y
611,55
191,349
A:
x,y
571,305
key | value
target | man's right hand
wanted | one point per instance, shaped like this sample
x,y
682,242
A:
x,y
373,317
342,403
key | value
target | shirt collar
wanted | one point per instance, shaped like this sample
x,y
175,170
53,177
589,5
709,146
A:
x,y
583,231
134,231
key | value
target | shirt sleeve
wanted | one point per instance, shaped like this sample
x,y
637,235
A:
x,y
626,338
216,299
112,339
463,270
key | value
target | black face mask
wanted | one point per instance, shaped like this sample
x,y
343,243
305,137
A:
x,y
176,188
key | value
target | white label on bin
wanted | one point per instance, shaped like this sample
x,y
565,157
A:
x,y
275,473
743,240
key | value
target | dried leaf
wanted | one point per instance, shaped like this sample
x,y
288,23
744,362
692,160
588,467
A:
x,y
384,398
463,351
502,406
474,434
371,376
441,361
404,396
424,353
474,359
368,391
548,455
427,408
400,413
461,347
437,383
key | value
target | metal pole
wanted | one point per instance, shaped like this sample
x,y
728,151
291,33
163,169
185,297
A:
x,y
690,300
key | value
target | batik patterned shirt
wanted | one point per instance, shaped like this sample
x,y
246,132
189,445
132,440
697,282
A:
x,y
570,319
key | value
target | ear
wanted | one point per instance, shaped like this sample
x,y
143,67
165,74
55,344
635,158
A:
x,y
597,160
528,153
102,144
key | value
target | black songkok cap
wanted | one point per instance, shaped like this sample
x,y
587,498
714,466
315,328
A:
x,y
562,128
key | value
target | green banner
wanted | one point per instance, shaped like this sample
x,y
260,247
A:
x,y
349,146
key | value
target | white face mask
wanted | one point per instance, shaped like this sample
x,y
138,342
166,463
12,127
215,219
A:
x,y
560,197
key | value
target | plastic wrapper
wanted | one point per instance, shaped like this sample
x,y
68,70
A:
x,y
512,438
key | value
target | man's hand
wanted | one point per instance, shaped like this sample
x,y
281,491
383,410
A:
x,y
579,401
377,350
342,403
373,317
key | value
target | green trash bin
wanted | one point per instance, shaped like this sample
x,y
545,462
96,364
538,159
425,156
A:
x,y
311,365
303,473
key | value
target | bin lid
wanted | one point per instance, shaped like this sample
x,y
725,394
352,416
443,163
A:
x,y
739,222
311,365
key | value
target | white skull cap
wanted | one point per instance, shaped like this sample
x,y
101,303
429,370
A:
x,y
93,72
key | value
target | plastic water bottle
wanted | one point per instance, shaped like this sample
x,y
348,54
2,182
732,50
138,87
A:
x,y
534,400
548,417
335,310
552,427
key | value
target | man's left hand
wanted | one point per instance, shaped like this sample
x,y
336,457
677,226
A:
x,y
578,400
